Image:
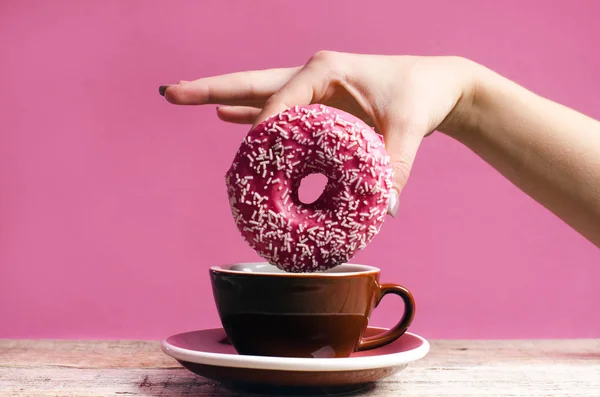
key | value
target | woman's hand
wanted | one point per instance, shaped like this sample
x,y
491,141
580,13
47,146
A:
x,y
549,151
404,97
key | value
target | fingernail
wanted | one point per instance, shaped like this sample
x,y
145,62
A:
x,y
162,89
393,203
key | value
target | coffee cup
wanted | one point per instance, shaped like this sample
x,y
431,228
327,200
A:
x,y
268,312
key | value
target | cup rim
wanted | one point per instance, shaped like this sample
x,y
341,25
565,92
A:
x,y
355,269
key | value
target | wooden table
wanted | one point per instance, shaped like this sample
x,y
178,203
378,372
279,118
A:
x,y
452,368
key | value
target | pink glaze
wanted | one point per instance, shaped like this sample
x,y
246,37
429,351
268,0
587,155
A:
x,y
263,182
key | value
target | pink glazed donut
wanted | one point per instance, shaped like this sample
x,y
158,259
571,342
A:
x,y
262,185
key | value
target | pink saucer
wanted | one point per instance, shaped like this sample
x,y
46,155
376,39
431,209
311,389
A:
x,y
209,353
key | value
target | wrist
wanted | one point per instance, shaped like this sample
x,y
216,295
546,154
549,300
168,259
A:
x,y
464,120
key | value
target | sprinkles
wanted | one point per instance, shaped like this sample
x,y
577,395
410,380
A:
x,y
271,162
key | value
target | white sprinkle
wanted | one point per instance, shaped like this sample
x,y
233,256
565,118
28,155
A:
x,y
281,131
319,133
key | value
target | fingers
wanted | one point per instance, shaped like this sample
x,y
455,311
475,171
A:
x,y
402,144
238,114
249,88
298,91
311,84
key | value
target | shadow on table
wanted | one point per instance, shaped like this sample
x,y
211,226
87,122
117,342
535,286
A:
x,y
584,356
183,383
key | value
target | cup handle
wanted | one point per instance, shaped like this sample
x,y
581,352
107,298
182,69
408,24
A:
x,y
399,329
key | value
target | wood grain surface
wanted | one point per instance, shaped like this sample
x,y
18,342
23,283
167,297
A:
x,y
452,368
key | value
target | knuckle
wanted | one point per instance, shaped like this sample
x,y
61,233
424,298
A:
x,y
323,56
401,167
328,60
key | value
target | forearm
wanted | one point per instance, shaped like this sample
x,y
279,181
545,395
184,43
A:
x,y
549,151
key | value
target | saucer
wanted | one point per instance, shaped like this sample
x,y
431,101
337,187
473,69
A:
x,y
209,353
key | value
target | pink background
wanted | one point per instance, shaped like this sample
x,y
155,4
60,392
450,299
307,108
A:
x,y
113,202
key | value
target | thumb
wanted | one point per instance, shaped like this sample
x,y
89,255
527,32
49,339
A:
x,y
299,90
402,145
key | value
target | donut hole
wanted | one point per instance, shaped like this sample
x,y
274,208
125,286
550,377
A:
x,y
311,187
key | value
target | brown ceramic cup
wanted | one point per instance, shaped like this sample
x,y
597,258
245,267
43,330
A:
x,y
268,312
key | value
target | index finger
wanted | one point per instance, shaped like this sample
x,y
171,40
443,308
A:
x,y
249,88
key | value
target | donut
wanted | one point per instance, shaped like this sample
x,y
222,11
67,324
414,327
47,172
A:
x,y
264,177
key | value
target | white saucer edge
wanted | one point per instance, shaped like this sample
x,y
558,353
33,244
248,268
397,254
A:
x,y
298,364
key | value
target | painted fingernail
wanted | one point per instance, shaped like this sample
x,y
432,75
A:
x,y
162,89
393,203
